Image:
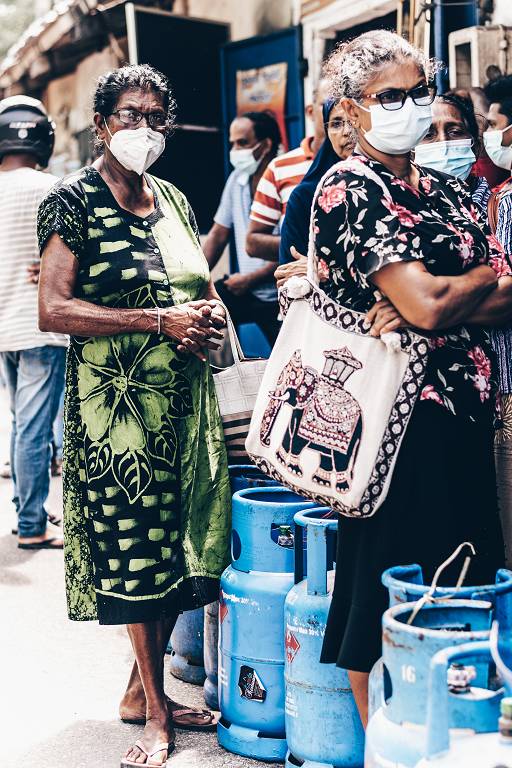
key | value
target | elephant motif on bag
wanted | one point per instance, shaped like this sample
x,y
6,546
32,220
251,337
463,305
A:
x,y
325,417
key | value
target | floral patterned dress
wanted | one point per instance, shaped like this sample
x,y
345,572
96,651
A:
x,y
443,490
146,487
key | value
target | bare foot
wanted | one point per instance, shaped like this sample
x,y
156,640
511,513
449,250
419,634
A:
x,y
157,732
132,710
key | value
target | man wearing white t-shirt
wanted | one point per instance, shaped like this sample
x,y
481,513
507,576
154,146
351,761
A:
x,y
250,292
33,361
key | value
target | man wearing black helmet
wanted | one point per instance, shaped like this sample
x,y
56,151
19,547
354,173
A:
x,y
33,361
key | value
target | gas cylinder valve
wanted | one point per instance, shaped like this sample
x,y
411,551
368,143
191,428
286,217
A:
x,y
285,537
505,721
459,678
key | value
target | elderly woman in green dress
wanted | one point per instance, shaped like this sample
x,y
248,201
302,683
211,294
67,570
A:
x,y
146,488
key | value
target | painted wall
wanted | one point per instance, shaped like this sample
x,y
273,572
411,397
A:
x,y
247,17
69,101
502,12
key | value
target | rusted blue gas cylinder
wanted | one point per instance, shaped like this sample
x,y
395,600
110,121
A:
x,y
489,744
186,661
396,733
484,735
251,629
323,727
405,584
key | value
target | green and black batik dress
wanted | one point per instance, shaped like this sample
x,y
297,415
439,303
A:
x,y
146,487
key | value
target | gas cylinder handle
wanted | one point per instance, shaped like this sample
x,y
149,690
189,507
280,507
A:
x,y
438,733
429,597
316,548
502,668
303,519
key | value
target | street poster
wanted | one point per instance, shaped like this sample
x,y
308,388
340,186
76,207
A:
x,y
261,89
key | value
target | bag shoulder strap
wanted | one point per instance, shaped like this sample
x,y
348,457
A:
x,y
354,164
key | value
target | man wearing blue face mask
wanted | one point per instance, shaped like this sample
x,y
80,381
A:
x,y
249,293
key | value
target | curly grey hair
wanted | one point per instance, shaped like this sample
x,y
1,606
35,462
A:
x,y
133,76
356,63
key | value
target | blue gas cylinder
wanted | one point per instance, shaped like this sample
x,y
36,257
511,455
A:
x,y
187,647
211,656
262,535
251,629
323,727
405,584
396,731
248,476
241,476
484,738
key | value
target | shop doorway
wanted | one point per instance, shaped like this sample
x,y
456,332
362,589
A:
x,y
187,51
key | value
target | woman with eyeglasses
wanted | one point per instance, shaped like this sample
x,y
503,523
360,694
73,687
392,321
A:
x,y
410,234
146,487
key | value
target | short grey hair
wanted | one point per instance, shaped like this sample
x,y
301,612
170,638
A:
x,y
355,63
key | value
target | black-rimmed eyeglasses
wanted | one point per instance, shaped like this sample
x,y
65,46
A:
x,y
132,117
395,98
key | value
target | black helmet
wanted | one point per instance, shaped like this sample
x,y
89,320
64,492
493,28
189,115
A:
x,y
26,127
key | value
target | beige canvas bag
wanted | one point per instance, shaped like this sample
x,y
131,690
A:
x,y
334,402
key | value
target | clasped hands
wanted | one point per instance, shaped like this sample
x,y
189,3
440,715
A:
x,y
195,325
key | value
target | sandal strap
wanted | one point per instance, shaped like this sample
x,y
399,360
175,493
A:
x,y
202,712
162,747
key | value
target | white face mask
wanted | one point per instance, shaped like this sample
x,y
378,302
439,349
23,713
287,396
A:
x,y
501,156
396,132
456,158
243,160
136,148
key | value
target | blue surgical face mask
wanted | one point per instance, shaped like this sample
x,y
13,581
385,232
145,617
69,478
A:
x,y
456,158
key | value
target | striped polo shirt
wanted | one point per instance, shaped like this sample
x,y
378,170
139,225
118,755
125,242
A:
x,y
21,191
281,177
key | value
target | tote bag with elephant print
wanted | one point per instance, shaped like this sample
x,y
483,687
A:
x,y
334,401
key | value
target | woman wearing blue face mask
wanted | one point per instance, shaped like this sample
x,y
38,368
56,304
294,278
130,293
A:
x,y
452,144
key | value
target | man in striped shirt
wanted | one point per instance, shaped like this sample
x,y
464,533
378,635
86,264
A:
x,y
281,177
33,362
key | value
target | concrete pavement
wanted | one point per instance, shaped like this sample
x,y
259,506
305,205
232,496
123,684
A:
x,y
61,681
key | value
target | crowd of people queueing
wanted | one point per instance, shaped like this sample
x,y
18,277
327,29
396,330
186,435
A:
x,y
124,277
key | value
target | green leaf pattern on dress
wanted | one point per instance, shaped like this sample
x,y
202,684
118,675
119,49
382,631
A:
x,y
146,488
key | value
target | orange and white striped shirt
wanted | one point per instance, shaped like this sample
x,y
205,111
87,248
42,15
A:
x,y
281,177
